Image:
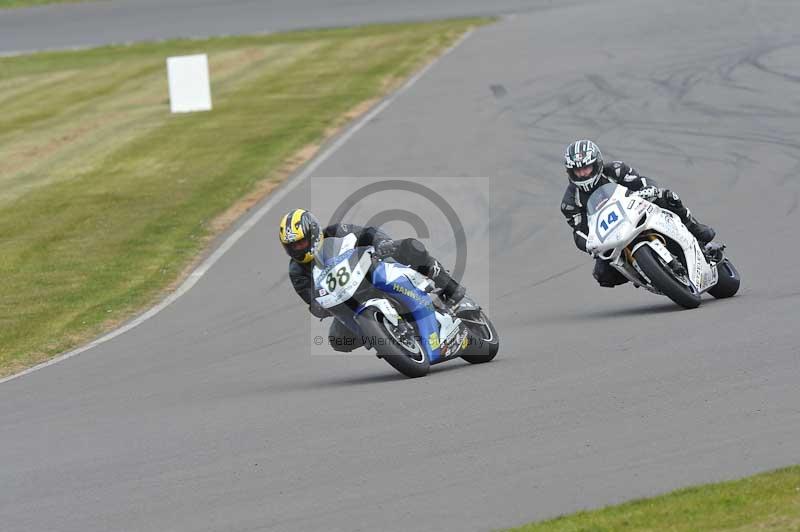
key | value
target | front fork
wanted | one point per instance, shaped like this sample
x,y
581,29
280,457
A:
x,y
626,263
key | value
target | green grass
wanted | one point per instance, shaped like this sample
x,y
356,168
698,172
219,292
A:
x,y
106,198
29,3
770,501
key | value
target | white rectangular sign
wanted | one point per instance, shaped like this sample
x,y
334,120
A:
x,y
189,87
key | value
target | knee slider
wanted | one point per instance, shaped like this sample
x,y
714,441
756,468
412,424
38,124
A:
x,y
413,252
341,339
343,344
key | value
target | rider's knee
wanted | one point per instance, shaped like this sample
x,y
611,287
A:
x,y
342,339
344,344
413,253
608,277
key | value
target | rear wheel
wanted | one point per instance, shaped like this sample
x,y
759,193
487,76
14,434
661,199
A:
x,y
675,286
396,344
729,280
484,341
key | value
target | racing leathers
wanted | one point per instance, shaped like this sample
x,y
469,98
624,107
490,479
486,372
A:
x,y
408,251
573,206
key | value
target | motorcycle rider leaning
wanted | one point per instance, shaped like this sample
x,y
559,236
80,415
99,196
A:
x,y
586,172
301,236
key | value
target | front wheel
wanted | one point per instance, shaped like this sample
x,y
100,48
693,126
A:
x,y
729,280
661,275
397,345
484,339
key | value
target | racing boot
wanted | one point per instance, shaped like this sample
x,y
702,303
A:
x,y
702,232
451,289
413,252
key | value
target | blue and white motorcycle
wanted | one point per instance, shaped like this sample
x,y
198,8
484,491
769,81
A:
x,y
398,311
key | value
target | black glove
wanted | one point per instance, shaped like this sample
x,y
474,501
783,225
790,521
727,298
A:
x,y
385,248
672,200
318,310
650,193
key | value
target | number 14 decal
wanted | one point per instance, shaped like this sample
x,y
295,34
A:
x,y
612,217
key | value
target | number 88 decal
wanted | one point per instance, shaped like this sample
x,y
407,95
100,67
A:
x,y
342,278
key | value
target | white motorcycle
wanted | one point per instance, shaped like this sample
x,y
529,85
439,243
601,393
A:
x,y
654,250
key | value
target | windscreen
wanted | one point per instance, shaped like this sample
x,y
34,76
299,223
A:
x,y
599,198
333,247
330,249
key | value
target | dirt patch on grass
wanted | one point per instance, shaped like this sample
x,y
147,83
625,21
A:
x,y
22,158
778,523
53,145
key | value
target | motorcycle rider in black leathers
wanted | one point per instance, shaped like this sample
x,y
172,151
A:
x,y
586,172
301,236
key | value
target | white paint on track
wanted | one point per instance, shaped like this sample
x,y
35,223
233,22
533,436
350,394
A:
x,y
273,200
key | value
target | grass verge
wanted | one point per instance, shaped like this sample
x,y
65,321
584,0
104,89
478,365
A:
x,y
770,501
106,198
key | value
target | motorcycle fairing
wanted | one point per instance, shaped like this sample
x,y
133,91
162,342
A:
x,y
351,264
391,278
627,213
701,274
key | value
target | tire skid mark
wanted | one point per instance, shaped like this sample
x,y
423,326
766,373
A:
x,y
518,289
793,205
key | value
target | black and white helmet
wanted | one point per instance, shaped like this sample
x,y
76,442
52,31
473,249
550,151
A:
x,y
580,154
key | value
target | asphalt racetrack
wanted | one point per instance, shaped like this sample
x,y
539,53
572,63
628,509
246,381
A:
x,y
120,21
214,416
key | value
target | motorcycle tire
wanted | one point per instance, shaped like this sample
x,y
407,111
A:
x,y
663,278
481,349
412,363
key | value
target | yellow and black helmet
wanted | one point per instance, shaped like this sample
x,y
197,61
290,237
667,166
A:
x,y
300,234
